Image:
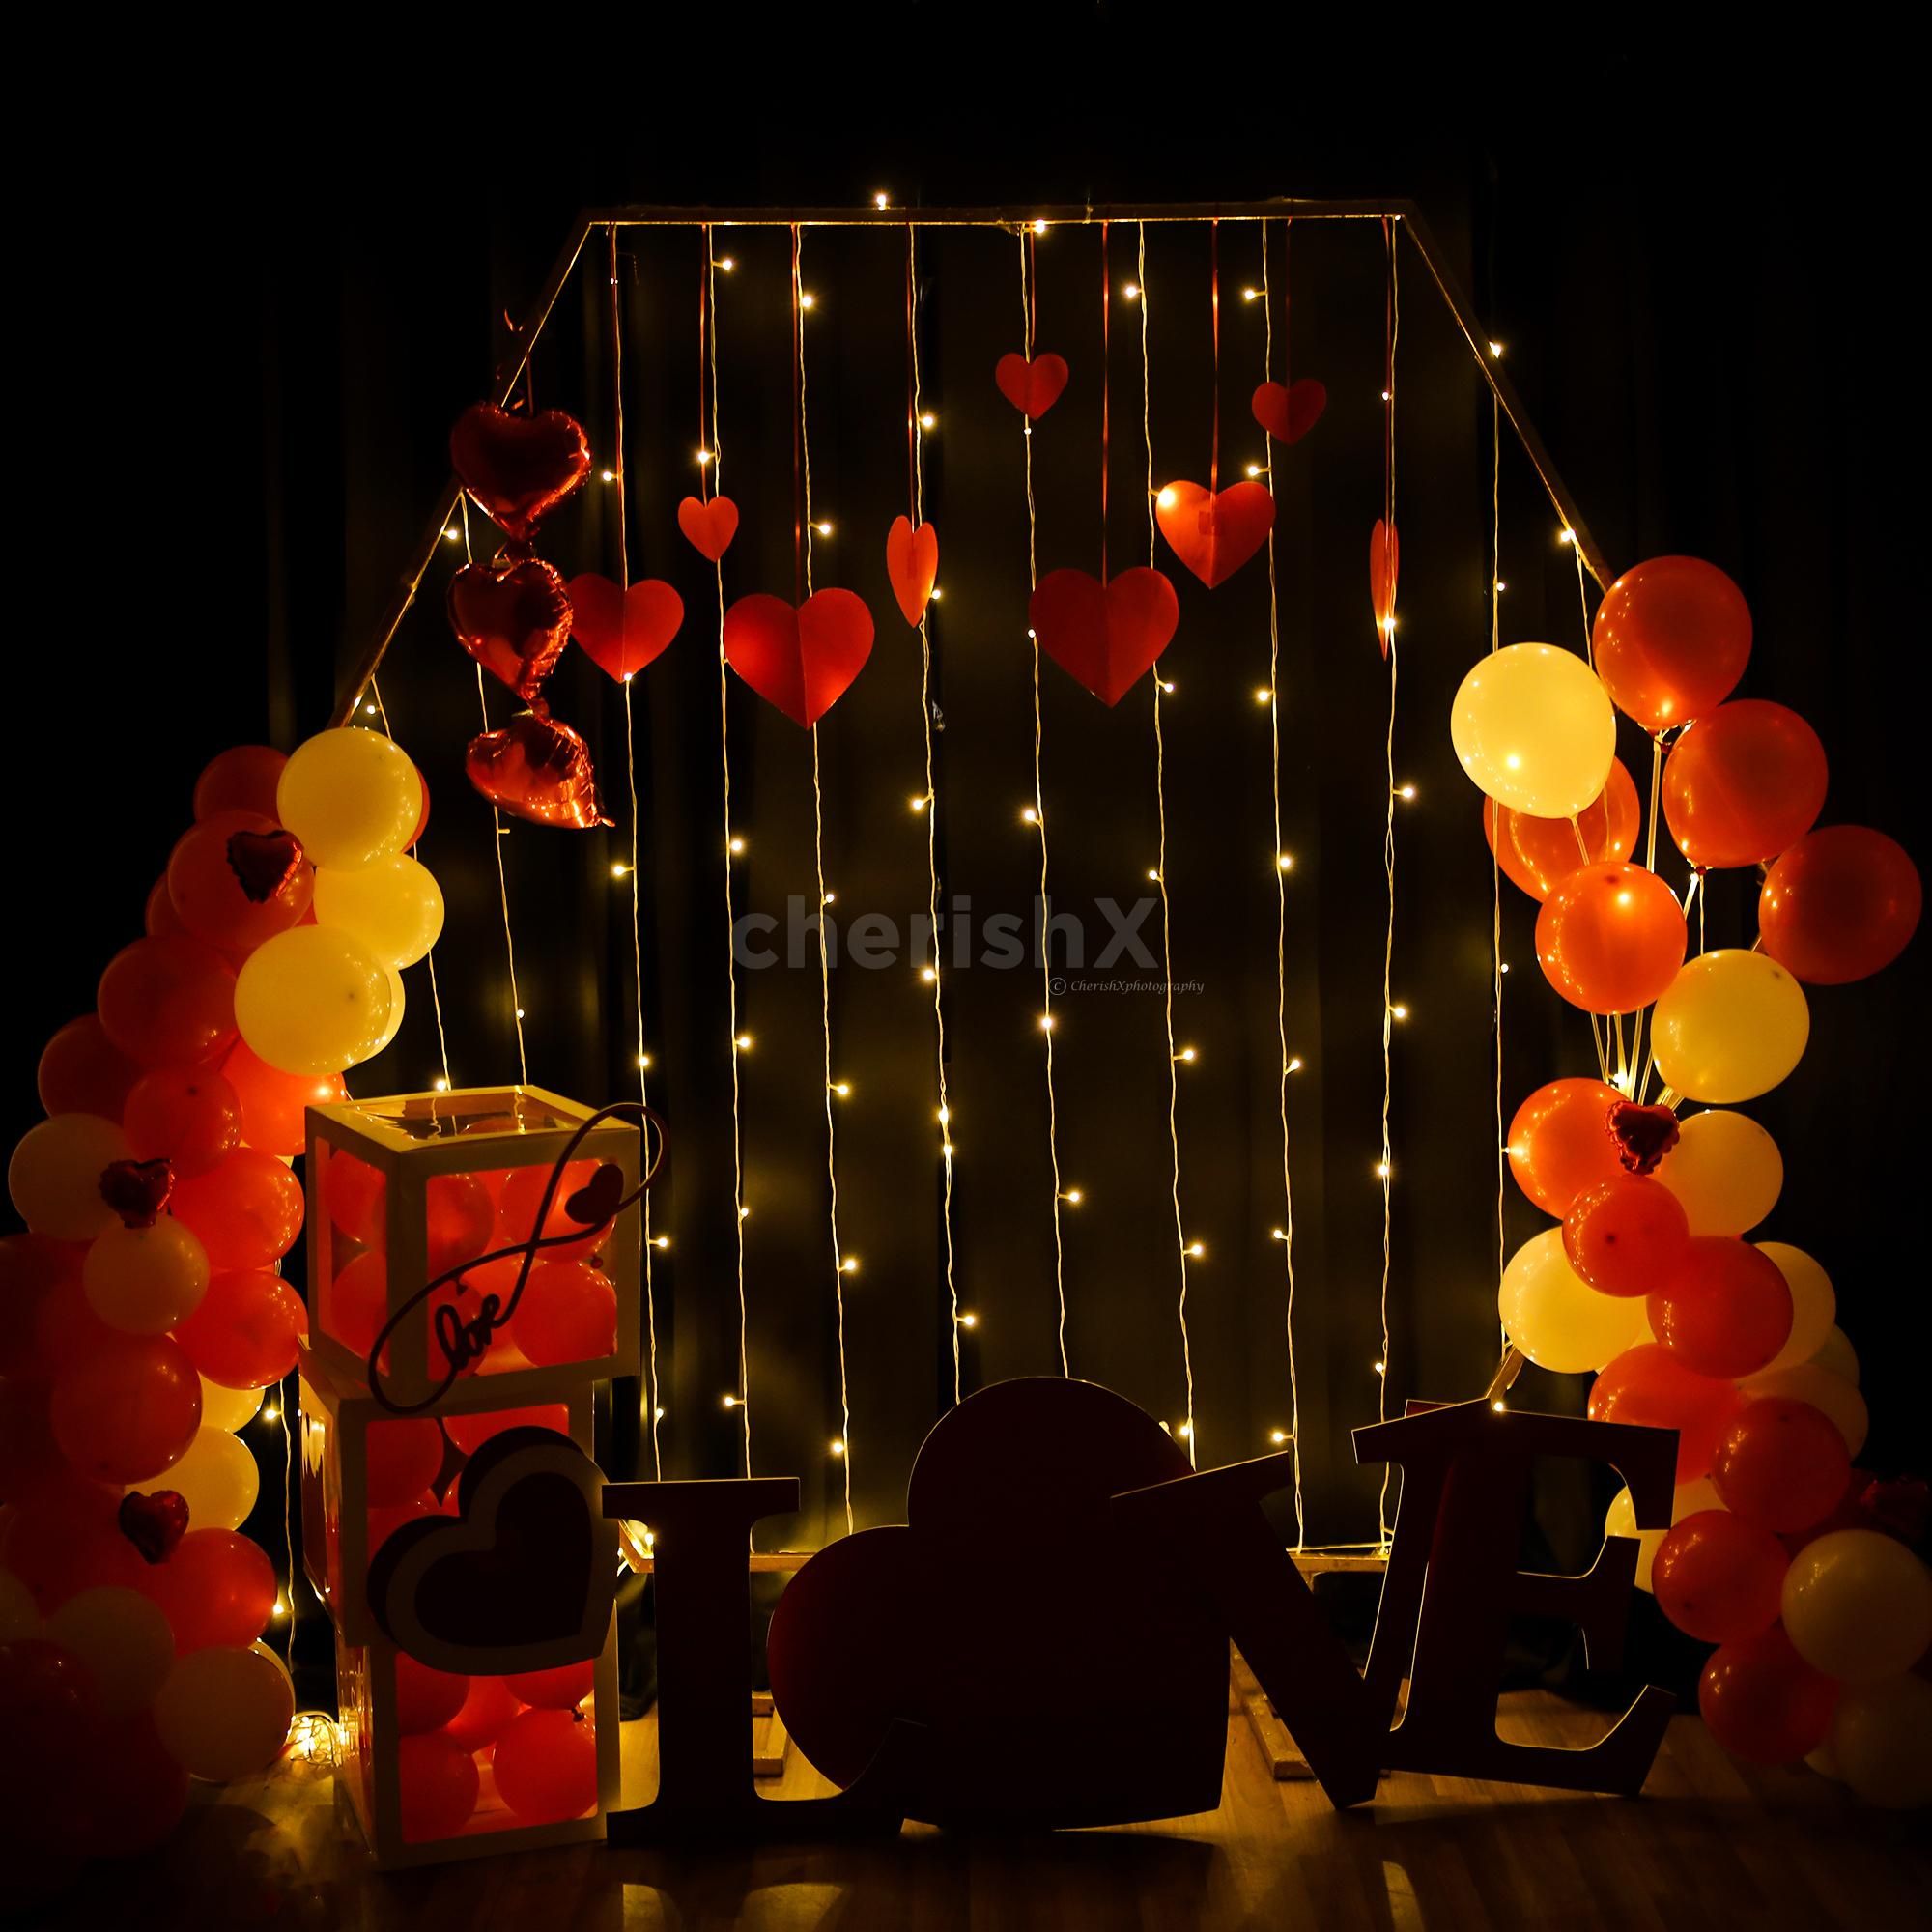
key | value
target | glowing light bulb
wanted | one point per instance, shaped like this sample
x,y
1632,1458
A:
x,y
823,530
1185,1430
1498,1405
1565,536
520,1012
1398,1011
703,457
849,1266
1131,292
743,1042
1254,469
920,803
617,872
927,420
808,300
1250,295
1505,966
843,1087
1027,815
726,263
937,593
1284,861
369,711
608,475
1277,1234
945,1117
830,897
645,1062
880,200
1153,875
1188,1054
1165,498
838,1447
1383,1169
1294,1065
1277,1437
1073,1197
1496,350
1167,685
969,1319
660,1241
1263,694
1040,228
731,1402
1047,1022
1196,1249
744,1213
735,846
1405,791
1381,1368
281,1606
440,1082
452,534
927,974
272,1415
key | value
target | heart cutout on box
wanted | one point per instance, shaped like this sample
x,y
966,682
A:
x,y
801,660
1104,636
622,631
538,769
521,1578
137,1190
1214,532
264,862
1289,410
154,1523
1384,564
709,527
518,469
912,563
1032,386
513,622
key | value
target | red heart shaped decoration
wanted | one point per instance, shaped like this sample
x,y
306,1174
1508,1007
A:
x,y
912,563
537,769
153,1523
137,1190
1032,387
518,469
1384,561
1288,412
1104,636
800,659
1643,1135
1215,533
622,631
513,622
264,862
595,1203
709,526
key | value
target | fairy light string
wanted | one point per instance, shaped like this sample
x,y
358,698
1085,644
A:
x,y
1495,845
1385,1167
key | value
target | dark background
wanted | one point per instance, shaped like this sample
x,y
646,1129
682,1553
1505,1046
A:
x,y
253,316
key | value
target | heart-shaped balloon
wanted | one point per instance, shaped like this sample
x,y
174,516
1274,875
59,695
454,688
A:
x,y
137,1190
518,469
1105,636
1384,561
1032,387
1289,410
264,862
1215,533
622,631
709,526
155,1523
912,563
513,622
538,769
1643,1135
800,659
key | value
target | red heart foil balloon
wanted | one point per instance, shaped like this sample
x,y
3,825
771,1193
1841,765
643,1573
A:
x,y
801,660
1289,410
622,631
537,769
912,563
513,622
155,1523
264,862
1104,636
1032,387
518,469
708,527
1384,562
1215,533
1643,1135
137,1190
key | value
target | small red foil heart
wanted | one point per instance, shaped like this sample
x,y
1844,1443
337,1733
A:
x,y
518,469
1643,1135
514,621
1104,636
1289,410
1384,562
137,1190
1213,533
708,527
803,659
155,1523
1032,387
622,631
595,1203
264,862
912,563
537,769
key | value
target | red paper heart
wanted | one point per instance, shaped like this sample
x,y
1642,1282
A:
x,y
1032,387
1104,636
264,862
537,769
155,1523
1213,534
513,622
1643,1135
622,631
518,469
912,563
800,659
1384,562
595,1203
137,1190
709,526
1288,411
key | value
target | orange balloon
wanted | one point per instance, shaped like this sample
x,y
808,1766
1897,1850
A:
x,y
1538,854
274,1103
1560,1142
207,895
1744,783
1838,905
82,1071
127,1410
185,1115
241,779
168,1002
1626,1235
246,1210
1649,1385
1611,938
1671,639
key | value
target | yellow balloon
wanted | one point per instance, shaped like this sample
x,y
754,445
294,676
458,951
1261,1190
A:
x,y
394,907
1725,1172
145,1280
19,1615
1882,1742
54,1176
227,1409
1814,1305
1806,1381
1836,1354
351,796
123,1639
1620,1520
217,1479
1557,1318
1857,1605
1534,727
225,1711
311,1000
1729,1027
398,1001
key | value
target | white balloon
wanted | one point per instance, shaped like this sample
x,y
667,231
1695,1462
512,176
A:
x,y
1535,729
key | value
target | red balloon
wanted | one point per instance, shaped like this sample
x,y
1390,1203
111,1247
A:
x,y
546,1764
385,1520
357,1307
132,1792
427,1699
523,1196
470,1433
82,1071
439,1782
1719,1578
1538,854
459,1208
1670,640
208,893
560,1689
1611,938
62,1545
1560,1143
32,1267
1724,1309
354,1193
1838,905
50,1703
244,1330
216,1588
1763,1702
168,1002
187,1115
246,1210
1624,1235
403,1459
241,779
568,1314
1744,783
68,1328
490,1705
127,1410
538,769
1647,1384
273,1103
1780,1463
158,917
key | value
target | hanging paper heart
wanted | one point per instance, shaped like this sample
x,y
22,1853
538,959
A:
x,y
800,659
518,469
1032,387
595,1203
137,1190
912,563
537,769
263,861
622,631
154,1523
1643,1135
1104,636
1288,412
1215,533
513,622
1384,561
710,526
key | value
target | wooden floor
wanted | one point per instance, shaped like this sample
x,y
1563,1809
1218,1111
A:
x,y
1711,1844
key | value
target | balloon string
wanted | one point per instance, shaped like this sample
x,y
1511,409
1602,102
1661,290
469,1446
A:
x,y
1495,859
703,335
800,507
1386,1166
912,382
1214,305
1106,364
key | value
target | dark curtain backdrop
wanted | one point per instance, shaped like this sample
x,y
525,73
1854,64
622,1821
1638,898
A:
x,y
256,328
